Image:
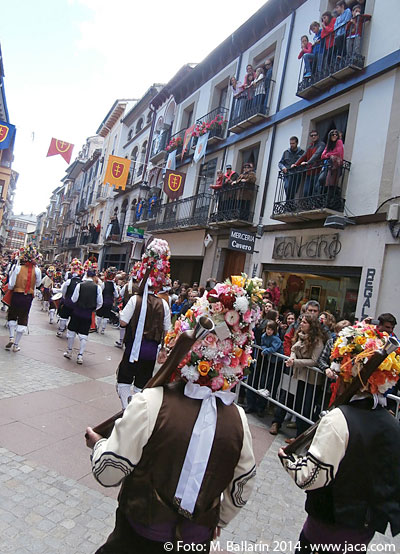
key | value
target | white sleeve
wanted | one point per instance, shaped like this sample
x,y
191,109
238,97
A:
x,y
38,275
75,295
116,291
13,276
167,316
239,489
319,466
99,301
128,311
116,457
64,287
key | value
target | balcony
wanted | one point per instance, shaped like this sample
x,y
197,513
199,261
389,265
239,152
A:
x,y
251,106
233,206
184,214
102,191
176,143
215,122
70,242
301,196
159,145
336,63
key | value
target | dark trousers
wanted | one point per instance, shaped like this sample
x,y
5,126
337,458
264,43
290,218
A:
x,y
304,399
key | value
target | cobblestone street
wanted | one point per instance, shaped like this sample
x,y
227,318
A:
x,y
49,501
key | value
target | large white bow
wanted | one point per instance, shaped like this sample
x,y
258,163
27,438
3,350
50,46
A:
x,y
140,326
201,441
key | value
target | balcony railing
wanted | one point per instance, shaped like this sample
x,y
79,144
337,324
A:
x,y
251,106
159,144
177,138
311,193
340,55
187,212
233,204
215,122
70,242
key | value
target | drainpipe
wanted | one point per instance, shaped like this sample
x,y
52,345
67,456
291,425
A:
x,y
278,105
153,124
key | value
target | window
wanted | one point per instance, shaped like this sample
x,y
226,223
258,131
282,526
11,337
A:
x,y
187,118
206,176
250,155
130,134
336,120
148,119
139,125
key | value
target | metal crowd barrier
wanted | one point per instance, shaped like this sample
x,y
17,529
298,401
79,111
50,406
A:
x,y
272,380
397,400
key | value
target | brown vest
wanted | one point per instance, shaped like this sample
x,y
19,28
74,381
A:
x,y
153,326
147,494
22,277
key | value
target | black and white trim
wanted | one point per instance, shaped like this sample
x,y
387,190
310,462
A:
x,y
117,468
238,485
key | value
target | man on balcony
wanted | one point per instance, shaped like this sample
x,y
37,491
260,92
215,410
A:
x,y
309,159
289,158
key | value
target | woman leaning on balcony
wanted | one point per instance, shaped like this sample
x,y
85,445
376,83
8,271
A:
x,y
333,161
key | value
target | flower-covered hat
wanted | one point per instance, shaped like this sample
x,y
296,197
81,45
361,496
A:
x,y
93,266
354,347
76,266
134,271
29,254
221,359
110,273
157,257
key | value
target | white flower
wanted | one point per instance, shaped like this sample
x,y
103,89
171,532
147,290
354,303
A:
x,y
210,353
228,371
190,373
241,304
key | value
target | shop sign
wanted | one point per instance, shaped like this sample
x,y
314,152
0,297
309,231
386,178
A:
x,y
241,241
368,291
314,247
134,232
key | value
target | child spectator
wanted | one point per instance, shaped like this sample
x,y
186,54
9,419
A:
x,y
317,45
250,76
274,290
271,344
307,55
344,16
354,31
270,340
327,34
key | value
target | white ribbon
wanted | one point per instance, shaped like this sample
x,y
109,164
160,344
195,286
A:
x,y
201,441
140,326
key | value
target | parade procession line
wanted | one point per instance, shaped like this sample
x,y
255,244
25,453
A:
x,y
49,500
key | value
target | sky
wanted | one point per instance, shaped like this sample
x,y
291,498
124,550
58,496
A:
x,y
67,61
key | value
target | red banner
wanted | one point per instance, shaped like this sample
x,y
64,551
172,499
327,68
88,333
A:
x,y
174,181
60,147
186,139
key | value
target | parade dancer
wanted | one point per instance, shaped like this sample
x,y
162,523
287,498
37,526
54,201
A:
x,y
146,319
66,307
87,297
126,292
183,449
351,471
110,292
47,287
23,280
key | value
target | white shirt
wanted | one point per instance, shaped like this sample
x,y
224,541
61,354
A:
x,y
127,313
16,270
99,300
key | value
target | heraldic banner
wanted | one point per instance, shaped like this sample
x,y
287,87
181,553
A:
x,y
60,147
117,172
174,181
6,134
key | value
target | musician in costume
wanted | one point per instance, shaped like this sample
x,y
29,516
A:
x,y
126,292
146,319
110,292
23,280
351,471
66,307
87,297
172,488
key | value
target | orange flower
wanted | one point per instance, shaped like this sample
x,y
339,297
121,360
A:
x,y
204,367
238,352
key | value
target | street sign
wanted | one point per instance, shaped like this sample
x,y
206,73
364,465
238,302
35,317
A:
x,y
135,233
241,241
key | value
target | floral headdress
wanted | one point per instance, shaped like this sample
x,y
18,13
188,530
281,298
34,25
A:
x,y
90,265
76,266
51,269
29,254
220,360
157,257
134,271
111,273
353,348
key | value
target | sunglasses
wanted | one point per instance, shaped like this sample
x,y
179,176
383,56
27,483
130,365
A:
x,y
313,135
334,134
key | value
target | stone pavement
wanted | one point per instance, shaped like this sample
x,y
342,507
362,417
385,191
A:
x,y
49,501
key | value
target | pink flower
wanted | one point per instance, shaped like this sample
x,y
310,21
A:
x,y
217,383
247,317
216,308
211,339
226,346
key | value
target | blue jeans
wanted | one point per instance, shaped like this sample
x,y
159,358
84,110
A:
x,y
310,185
291,185
308,60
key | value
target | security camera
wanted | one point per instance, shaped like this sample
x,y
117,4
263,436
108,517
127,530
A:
x,y
337,222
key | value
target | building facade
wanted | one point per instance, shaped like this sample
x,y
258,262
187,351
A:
x,y
336,240
20,227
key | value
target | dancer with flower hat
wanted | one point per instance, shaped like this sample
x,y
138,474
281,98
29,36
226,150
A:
x,y
110,292
67,290
47,287
351,470
184,450
126,292
23,280
86,298
146,318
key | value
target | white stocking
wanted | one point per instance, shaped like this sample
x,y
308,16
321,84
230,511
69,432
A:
x,y
82,343
12,326
121,334
71,337
51,315
62,323
104,322
20,331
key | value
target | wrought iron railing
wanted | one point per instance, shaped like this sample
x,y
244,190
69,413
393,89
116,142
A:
x,y
214,122
235,203
306,188
252,101
160,142
338,51
187,212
